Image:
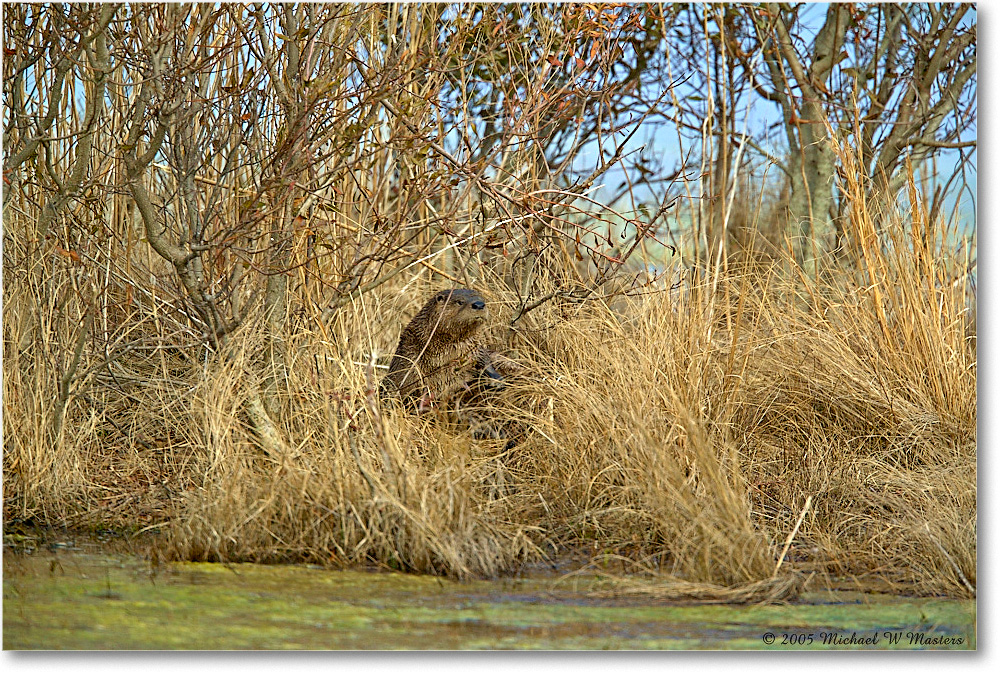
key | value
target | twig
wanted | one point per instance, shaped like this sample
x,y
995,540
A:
x,y
795,530
954,566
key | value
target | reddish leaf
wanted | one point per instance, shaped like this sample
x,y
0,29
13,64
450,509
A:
x,y
71,254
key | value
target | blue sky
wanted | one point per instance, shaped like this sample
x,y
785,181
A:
x,y
757,115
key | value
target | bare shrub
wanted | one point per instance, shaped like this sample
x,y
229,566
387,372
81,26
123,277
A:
x,y
209,254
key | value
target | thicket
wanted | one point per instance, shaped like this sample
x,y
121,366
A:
x,y
217,219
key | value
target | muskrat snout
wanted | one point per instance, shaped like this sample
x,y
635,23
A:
x,y
478,304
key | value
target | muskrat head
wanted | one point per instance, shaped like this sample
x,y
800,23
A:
x,y
462,311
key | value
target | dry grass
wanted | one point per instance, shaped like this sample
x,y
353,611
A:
x,y
677,433
682,430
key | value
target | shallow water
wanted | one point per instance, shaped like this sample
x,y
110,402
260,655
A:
x,y
64,597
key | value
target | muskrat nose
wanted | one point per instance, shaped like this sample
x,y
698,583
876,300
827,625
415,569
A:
x,y
479,304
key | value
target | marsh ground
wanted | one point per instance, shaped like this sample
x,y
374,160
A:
x,y
70,594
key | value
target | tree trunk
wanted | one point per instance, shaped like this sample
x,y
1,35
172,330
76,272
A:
x,y
811,227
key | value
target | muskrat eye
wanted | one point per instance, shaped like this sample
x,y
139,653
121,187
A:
x,y
459,302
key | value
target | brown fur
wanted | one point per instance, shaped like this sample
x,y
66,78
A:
x,y
437,349
442,361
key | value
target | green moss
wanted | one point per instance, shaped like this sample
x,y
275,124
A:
x,y
72,600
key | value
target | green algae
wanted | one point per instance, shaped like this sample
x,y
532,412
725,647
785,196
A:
x,y
67,599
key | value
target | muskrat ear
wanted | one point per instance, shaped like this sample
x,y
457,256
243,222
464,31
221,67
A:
x,y
441,297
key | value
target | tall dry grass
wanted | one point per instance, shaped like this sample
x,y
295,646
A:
x,y
678,433
675,436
